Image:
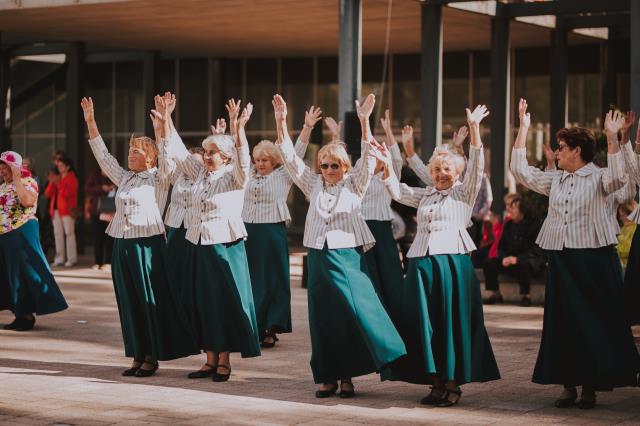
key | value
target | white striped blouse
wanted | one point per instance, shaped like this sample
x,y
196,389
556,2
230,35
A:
x,y
376,204
334,216
443,216
421,170
578,216
632,162
181,194
265,198
214,214
140,197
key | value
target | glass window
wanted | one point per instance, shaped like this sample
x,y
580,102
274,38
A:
x,y
193,102
262,81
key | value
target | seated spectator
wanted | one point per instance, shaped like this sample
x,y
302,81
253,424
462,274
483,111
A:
x,y
627,229
488,247
518,255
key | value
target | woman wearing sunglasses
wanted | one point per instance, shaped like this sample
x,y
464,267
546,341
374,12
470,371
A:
x,y
439,314
586,340
351,333
266,217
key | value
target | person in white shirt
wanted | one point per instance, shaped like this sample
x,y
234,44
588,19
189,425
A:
x,y
266,217
586,340
383,260
351,333
440,313
154,325
217,291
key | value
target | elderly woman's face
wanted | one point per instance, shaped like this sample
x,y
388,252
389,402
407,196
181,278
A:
x,y
567,156
443,174
332,169
137,160
213,158
5,173
264,166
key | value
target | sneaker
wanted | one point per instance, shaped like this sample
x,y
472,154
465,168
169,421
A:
x,y
69,264
95,267
106,267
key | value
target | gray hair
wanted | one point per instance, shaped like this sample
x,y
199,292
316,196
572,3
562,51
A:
x,y
444,153
224,143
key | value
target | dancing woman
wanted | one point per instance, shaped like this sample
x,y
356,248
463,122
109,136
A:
x,y
217,292
27,286
351,334
586,340
266,217
440,313
154,326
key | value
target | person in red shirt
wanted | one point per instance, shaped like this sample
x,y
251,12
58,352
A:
x,y
63,200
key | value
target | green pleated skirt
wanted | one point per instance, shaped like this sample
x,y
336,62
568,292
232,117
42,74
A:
x,y
632,281
351,333
586,339
268,256
27,285
152,318
383,262
441,321
219,300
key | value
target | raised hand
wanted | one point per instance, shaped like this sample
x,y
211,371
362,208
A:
x,y
460,136
407,141
613,122
334,128
525,117
312,116
160,103
87,110
158,121
386,121
16,172
475,117
220,127
279,108
365,109
170,102
246,114
626,128
380,152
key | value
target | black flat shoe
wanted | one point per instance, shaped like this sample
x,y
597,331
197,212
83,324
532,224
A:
x,y
445,401
566,402
217,377
147,373
347,393
11,326
25,324
327,393
586,404
493,299
133,370
432,398
202,374
271,344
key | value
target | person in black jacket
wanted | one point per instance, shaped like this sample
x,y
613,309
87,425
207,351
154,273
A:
x,y
518,254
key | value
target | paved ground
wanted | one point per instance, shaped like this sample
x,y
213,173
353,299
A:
x,y
67,371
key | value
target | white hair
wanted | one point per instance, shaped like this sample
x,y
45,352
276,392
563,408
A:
x,y
224,143
444,154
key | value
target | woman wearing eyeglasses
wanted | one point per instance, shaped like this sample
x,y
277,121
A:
x,y
266,217
351,333
586,340
440,313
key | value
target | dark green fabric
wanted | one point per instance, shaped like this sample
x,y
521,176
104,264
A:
x,y
351,333
27,285
180,259
219,301
441,321
152,318
632,281
268,255
383,261
586,339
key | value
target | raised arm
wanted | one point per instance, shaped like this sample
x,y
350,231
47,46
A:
x,y
614,176
475,169
531,177
311,117
27,194
242,162
334,128
106,161
413,160
298,171
391,143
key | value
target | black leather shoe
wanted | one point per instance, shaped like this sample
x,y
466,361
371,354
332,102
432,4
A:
x,y
11,326
566,402
25,324
450,398
327,393
493,299
202,374
432,398
586,404
269,344
347,393
525,302
147,373
217,377
133,370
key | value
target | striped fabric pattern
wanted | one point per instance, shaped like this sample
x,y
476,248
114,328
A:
x,y
214,212
181,194
578,216
140,198
334,216
443,216
265,198
632,162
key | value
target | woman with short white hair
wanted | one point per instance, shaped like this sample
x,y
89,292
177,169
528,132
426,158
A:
x,y
439,314
351,333
266,217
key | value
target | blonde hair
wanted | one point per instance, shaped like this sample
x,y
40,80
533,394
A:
x,y
335,150
268,149
147,145
224,143
444,154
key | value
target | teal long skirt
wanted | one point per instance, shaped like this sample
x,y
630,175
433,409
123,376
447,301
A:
x,y
632,281
586,339
442,323
268,256
180,261
27,285
218,298
152,318
351,333
383,262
